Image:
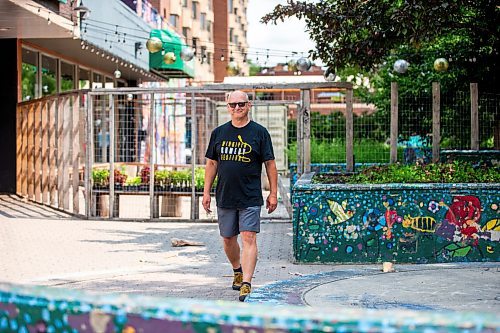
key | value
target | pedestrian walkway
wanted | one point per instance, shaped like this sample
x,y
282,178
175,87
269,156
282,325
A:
x,y
138,258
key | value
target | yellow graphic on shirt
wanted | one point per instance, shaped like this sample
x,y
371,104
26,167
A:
x,y
234,151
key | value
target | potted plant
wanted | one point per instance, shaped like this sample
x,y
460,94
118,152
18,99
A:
x,y
100,178
162,180
120,179
132,183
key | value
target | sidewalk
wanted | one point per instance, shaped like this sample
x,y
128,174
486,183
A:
x,y
44,247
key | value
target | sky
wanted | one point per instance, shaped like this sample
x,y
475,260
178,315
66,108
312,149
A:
x,y
281,39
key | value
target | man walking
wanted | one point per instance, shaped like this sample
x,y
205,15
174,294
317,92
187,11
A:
x,y
235,154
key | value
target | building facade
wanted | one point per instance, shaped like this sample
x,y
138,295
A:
x,y
215,29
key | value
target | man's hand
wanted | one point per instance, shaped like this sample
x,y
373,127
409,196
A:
x,y
271,203
206,203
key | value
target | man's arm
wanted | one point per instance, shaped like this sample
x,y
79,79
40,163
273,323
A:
x,y
272,176
210,173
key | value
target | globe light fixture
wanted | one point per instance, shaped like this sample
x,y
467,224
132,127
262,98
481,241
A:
x,y
117,74
154,44
401,66
292,66
303,64
187,54
441,65
330,75
169,58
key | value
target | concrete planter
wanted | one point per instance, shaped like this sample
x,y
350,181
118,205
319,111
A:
x,y
410,223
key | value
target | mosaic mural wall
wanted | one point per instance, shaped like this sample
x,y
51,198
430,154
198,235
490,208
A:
x,y
419,223
49,310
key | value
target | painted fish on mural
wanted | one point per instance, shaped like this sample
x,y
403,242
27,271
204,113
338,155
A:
x,y
493,228
420,223
340,211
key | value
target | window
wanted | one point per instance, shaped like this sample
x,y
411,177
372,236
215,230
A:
x,y
209,26
185,3
231,34
174,20
84,78
49,75
67,76
203,53
194,13
29,74
203,21
210,5
195,45
230,5
97,81
235,11
186,32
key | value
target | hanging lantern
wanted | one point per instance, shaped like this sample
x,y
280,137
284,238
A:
x,y
154,44
441,65
330,74
292,66
303,64
130,97
232,68
401,66
187,54
117,74
169,58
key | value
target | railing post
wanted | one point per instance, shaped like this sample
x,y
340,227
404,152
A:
x,y
89,148
436,121
153,209
349,131
394,122
111,155
194,153
474,117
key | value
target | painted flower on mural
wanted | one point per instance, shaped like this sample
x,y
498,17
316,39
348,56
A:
x,y
433,207
373,219
465,213
351,232
313,211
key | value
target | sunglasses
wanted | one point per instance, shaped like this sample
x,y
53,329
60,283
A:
x,y
240,104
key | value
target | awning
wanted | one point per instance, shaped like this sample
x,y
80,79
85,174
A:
x,y
172,42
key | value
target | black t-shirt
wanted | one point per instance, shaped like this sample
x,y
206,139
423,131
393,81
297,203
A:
x,y
239,153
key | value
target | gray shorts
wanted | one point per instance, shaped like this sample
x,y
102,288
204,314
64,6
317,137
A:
x,y
233,221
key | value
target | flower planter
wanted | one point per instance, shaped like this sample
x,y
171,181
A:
x,y
410,223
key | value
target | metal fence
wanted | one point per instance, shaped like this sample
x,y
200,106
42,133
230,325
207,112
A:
x,y
135,153
139,153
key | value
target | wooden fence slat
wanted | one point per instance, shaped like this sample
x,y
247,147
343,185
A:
x,y
394,123
19,140
66,150
60,155
436,121
38,160
45,153
349,130
474,117
75,139
30,152
52,153
24,151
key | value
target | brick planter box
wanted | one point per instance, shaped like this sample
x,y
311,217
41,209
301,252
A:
x,y
406,223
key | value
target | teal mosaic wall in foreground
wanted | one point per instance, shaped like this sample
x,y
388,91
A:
x,y
42,309
407,223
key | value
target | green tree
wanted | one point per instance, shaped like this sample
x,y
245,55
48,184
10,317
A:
x,y
368,35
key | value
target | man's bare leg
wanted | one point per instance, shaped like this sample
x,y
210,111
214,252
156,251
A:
x,y
232,250
249,255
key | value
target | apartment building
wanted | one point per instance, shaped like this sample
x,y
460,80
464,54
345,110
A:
x,y
215,29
